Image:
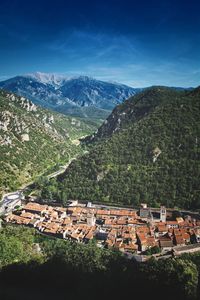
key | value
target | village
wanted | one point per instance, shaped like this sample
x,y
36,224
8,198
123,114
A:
x,y
129,230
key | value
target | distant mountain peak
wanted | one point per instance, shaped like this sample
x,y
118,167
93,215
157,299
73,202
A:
x,y
47,78
66,94
83,78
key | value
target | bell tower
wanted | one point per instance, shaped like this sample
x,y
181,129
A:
x,y
163,214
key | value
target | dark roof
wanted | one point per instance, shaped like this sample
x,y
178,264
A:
x,y
187,247
145,212
166,243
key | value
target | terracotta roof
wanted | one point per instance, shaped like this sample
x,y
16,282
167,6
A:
x,y
67,221
171,223
90,235
151,241
17,219
27,215
179,240
142,237
142,229
60,209
103,212
31,206
162,228
121,222
131,247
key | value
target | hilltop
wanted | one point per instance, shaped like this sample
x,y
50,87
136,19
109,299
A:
x,y
146,151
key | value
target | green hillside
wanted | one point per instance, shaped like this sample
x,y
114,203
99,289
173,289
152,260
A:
x,y
92,113
148,150
33,139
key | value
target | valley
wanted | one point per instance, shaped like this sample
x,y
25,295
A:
x,y
132,157
85,197
146,151
100,150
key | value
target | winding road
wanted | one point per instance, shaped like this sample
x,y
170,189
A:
x,y
10,199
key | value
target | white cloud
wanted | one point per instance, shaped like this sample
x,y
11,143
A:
x,y
3,77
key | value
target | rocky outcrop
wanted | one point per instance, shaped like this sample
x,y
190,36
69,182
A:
x,y
23,102
156,152
25,137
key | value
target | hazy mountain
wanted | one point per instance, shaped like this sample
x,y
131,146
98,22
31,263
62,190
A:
x,y
69,94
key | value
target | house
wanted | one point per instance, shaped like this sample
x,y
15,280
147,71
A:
x,y
37,208
181,236
67,221
172,224
177,250
51,228
40,225
145,214
102,234
178,240
62,213
27,215
143,229
180,220
142,241
90,235
101,212
161,229
186,237
73,203
165,244
17,219
67,231
197,234
131,248
151,242
122,221
109,243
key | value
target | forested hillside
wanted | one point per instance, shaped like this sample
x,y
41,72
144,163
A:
x,y
148,150
33,139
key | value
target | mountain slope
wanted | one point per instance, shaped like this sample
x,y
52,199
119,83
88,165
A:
x,y
69,95
86,91
33,139
151,155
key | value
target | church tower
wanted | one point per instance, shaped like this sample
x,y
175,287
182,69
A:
x,y
91,220
163,214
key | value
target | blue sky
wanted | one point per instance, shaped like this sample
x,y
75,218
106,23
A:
x,y
139,43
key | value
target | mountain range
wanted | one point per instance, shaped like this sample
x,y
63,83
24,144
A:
x,y
147,150
33,139
79,96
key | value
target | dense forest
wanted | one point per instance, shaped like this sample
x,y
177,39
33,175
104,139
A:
x,y
148,150
34,266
